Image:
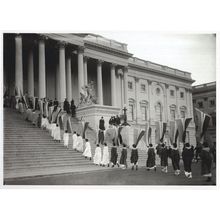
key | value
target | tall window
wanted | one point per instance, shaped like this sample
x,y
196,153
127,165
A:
x,y
172,115
181,95
130,85
212,103
172,93
144,113
183,112
200,104
131,112
158,112
143,88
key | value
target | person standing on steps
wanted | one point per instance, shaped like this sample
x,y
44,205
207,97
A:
x,y
98,155
206,161
151,158
105,156
87,152
57,133
74,140
79,147
102,124
164,158
66,106
134,157
66,139
187,155
123,159
175,157
73,108
114,155
55,103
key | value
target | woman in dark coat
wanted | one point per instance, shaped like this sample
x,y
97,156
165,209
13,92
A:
x,y
123,159
164,158
175,157
206,164
151,157
187,155
114,155
134,157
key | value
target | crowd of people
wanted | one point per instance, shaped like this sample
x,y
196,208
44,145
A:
x,y
103,156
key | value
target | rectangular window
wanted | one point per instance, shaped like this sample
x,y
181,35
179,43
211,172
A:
x,y
182,95
130,85
143,88
200,104
172,93
212,103
131,112
172,114
143,113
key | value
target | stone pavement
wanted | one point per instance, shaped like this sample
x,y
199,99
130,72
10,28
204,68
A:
x,y
117,176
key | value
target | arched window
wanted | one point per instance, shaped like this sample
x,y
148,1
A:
x,y
158,112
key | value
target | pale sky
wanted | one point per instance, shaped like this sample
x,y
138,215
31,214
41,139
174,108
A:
x,y
195,53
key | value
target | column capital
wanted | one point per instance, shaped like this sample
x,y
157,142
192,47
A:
x,y
113,64
177,87
81,49
42,38
61,44
125,69
18,35
166,85
149,81
120,72
136,79
86,58
99,61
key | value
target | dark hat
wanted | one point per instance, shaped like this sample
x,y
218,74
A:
x,y
97,145
187,145
87,140
134,145
151,145
174,145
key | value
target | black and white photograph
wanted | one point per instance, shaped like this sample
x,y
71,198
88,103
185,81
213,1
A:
x,y
109,108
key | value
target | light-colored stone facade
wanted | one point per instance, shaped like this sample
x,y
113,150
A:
x,y
59,65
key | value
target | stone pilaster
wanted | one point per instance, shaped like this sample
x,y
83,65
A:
x,y
166,107
126,86
30,72
177,102
150,101
80,71
57,81
68,79
113,85
99,82
85,60
18,65
138,110
62,72
42,69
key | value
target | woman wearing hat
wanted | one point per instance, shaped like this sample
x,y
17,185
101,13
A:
x,y
187,155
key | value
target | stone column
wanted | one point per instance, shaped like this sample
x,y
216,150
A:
x,y
138,109
99,82
18,65
166,95
68,79
42,71
122,90
57,81
177,103
113,85
126,86
80,71
85,71
150,99
30,72
62,72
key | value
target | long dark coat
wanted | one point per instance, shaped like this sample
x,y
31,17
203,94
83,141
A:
x,y
206,164
114,155
150,157
101,137
187,156
134,155
101,124
123,159
164,156
175,157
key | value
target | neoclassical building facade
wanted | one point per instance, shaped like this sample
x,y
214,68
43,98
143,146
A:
x,y
60,65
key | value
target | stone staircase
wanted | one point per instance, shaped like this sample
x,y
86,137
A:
x,y
30,151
